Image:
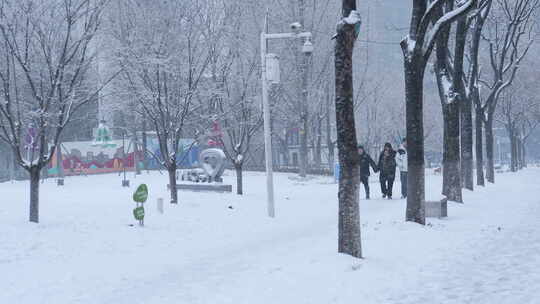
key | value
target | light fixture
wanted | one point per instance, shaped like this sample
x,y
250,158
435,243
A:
x,y
307,48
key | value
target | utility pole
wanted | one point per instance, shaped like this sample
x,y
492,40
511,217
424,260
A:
x,y
304,112
273,70
267,130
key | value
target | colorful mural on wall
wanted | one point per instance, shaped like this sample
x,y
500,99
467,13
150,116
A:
x,y
84,158
188,156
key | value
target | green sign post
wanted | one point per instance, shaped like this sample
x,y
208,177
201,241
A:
x,y
140,196
138,213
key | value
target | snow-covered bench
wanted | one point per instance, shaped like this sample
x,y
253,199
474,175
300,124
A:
x,y
437,208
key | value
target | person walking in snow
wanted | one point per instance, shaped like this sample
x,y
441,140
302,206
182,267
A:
x,y
402,165
365,162
387,167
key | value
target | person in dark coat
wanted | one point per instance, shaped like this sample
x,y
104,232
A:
x,y
387,167
365,162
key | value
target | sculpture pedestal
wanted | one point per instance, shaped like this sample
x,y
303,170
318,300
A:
x,y
203,187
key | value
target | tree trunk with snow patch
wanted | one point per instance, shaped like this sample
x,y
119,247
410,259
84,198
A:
x,y
349,240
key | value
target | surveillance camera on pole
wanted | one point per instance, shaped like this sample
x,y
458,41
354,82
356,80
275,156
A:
x,y
307,48
270,75
296,26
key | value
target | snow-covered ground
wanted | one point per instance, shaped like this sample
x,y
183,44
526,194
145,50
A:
x,y
221,248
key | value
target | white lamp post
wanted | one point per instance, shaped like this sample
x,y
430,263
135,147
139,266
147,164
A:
x,y
270,75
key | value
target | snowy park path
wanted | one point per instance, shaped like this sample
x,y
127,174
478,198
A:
x,y
500,268
497,260
202,251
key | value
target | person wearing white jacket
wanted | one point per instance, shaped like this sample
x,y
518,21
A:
x,y
402,165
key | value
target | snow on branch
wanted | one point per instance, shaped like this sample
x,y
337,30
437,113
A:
x,y
463,8
353,18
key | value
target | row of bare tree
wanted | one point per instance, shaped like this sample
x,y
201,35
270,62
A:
x,y
458,32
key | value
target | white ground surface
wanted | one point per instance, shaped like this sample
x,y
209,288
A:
x,y
201,251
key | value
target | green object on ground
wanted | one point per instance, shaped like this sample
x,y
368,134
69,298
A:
x,y
138,213
141,194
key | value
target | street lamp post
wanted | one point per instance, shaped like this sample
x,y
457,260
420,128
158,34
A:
x,y
125,181
307,49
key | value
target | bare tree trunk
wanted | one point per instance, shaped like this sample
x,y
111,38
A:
x,y
513,155
524,153
520,153
239,179
172,185
303,155
515,151
136,153
451,155
467,147
490,166
479,147
414,87
34,193
284,148
59,160
144,144
331,157
466,124
317,147
465,107
451,93
304,116
474,94
329,142
349,240
11,165
14,167
44,172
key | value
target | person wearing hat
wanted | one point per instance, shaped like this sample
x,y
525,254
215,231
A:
x,y
402,165
365,162
387,167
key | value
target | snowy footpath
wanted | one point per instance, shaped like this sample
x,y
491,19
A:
x,y
221,248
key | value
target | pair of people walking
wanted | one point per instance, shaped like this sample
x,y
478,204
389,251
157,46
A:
x,y
389,160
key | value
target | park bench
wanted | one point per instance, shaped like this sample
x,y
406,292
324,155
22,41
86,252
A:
x,y
437,208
